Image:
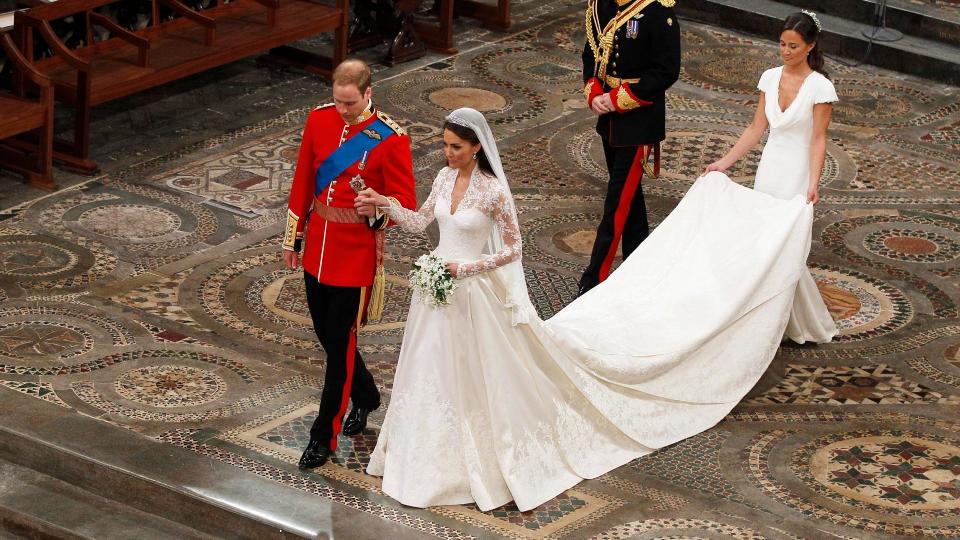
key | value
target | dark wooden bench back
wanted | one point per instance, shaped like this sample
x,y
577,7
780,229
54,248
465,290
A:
x,y
22,114
166,50
40,17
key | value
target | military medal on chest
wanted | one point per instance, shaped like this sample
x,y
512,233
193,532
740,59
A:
x,y
633,28
357,182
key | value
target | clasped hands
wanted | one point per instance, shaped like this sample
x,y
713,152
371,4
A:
x,y
602,104
366,203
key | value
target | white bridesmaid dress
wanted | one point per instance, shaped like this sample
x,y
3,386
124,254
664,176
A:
x,y
784,172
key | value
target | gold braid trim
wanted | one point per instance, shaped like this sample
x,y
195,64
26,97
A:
x,y
391,123
378,291
592,29
625,101
290,232
588,89
648,168
378,295
363,300
393,201
608,33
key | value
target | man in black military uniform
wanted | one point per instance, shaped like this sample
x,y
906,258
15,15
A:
x,y
631,57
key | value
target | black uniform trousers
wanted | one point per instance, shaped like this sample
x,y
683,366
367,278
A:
x,y
624,220
334,312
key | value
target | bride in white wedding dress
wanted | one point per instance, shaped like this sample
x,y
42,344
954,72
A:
x,y
492,404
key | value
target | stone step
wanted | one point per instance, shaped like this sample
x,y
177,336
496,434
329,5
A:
x,y
34,505
841,37
171,484
922,21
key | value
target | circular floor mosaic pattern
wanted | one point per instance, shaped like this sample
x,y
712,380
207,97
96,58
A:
x,y
715,68
876,102
34,259
479,99
170,386
130,221
43,340
284,294
894,471
897,482
861,306
664,528
912,246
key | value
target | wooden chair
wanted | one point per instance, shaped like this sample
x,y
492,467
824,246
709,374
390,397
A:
x,y
439,35
21,115
166,50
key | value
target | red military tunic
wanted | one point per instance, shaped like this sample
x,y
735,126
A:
x,y
336,251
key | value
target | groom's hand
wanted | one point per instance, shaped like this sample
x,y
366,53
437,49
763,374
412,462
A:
x,y
367,201
365,210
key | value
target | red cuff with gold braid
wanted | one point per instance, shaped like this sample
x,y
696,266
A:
x,y
592,89
624,99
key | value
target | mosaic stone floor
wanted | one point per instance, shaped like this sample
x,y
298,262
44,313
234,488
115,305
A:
x,y
154,298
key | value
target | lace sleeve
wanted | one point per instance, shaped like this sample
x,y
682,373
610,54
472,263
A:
x,y
417,221
500,209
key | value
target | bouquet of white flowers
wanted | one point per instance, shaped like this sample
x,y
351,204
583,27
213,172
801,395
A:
x,y
433,279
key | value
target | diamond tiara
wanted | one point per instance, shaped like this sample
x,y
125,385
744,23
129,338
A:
x,y
813,16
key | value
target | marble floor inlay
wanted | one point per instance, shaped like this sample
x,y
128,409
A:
x,y
154,297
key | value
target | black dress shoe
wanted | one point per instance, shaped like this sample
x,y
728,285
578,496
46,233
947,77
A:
x,y
356,421
584,289
314,456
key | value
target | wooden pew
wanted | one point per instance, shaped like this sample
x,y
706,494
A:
x,y
439,35
166,50
22,115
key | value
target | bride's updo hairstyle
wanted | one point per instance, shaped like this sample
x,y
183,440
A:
x,y
468,135
808,26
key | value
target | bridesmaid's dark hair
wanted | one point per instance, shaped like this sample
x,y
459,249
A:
x,y
804,25
468,135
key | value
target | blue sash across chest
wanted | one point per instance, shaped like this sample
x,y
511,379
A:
x,y
351,151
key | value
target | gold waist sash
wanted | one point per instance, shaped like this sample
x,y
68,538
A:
x,y
614,82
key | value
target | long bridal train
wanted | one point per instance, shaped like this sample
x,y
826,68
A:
x,y
661,351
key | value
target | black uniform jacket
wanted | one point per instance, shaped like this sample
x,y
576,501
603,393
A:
x,y
642,62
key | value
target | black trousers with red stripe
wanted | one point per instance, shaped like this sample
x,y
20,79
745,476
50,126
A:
x,y
624,213
334,313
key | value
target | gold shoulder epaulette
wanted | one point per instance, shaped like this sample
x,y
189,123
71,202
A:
x,y
324,106
667,3
389,121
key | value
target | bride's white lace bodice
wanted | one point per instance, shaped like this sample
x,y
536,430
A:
x,y
464,232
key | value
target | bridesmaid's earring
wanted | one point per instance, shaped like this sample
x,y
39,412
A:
x,y
474,156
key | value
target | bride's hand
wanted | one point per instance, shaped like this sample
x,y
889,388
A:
x,y
813,195
452,267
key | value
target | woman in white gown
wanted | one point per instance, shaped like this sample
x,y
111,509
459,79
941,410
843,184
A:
x,y
796,102
491,404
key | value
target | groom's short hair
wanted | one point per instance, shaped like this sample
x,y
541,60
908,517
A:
x,y
353,71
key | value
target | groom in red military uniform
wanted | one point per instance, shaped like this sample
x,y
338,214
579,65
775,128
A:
x,y
346,145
